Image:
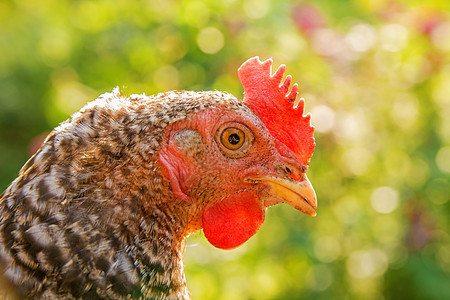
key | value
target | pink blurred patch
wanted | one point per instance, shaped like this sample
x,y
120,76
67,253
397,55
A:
x,y
421,228
36,143
307,18
427,21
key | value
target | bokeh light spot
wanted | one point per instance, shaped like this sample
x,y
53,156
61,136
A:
x,y
323,39
384,199
361,37
256,9
387,61
322,118
393,37
443,159
55,47
349,126
421,172
210,40
173,47
441,36
370,263
441,88
405,110
197,13
67,95
443,255
264,283
356,160
291,45
348,210
327,249
90,15
437,191
319,277
166,78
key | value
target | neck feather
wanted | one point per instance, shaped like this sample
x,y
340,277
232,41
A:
x,y
158,254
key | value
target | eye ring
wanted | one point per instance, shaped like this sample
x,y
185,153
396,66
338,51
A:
x,y
234,139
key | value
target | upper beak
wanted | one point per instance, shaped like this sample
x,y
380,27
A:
x,y
298,194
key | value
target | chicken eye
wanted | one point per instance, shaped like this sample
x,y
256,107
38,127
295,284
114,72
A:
x,y
232,138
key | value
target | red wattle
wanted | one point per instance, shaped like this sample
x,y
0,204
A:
x,y
232,221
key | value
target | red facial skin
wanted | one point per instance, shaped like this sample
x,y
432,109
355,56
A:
x,y
222,201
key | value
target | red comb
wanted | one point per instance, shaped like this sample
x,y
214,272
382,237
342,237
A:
x,y
267,96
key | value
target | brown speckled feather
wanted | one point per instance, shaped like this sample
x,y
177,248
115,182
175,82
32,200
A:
x,y
90,215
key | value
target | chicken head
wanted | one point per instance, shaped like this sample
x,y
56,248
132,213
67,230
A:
x,y
230,164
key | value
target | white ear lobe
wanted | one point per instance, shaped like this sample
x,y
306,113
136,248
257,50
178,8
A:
x,y
189,141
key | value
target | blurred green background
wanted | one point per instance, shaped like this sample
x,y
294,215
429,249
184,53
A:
x,y
375,75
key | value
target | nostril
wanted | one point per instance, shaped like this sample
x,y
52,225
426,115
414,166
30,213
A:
x,y
288,171
293,172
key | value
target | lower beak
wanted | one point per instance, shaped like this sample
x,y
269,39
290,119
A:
x,y
298,194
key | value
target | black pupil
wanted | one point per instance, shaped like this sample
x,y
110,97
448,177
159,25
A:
x,y
234,139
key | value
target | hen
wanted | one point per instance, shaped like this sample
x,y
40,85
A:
x,y
103,209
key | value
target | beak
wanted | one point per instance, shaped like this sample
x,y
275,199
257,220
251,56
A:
x,y
298,194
